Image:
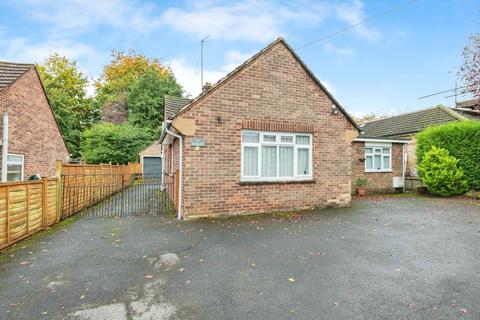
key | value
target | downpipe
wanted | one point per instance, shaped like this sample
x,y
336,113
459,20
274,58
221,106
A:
x,y
180,173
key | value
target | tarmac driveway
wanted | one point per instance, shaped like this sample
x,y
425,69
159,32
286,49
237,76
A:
x,y
394,258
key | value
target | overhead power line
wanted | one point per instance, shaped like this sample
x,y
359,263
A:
x,y
381,14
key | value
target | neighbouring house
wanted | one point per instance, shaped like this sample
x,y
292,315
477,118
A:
x,y
267,137
405,126
151,160
31,138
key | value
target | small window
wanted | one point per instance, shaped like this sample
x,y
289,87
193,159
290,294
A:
x,y
250,137
378,159
286,139
15,167
269,138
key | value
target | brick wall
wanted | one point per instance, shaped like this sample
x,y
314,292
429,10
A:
x,y
272,90
378,182
33,131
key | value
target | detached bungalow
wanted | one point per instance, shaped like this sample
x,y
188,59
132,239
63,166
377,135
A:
x,y
267,137
31,138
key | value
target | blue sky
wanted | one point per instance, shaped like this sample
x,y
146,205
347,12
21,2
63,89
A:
x,y
382,66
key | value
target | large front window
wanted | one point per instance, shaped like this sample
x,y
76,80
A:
x,y
378,158
276,156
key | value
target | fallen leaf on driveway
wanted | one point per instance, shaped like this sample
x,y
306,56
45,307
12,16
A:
x,y
291,279
463,311
148,276
24,263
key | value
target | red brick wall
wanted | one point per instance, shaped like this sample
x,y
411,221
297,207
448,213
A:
x,y
33,131
273,89
378,182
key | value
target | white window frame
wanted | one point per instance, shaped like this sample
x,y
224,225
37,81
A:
x,y
22,163
378,146
278,143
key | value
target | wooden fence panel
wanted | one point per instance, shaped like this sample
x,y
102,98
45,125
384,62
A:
x,y
26,208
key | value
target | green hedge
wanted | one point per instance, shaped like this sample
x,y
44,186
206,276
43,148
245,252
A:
x,y
441,173
461,139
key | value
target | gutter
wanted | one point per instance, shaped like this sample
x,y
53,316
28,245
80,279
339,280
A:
x,y
180,171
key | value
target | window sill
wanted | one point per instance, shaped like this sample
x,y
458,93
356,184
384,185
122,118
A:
x,y
378,171
257,182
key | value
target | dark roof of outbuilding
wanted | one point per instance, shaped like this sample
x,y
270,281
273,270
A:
x,y
10,72
174,104
468,113
469,104
410,123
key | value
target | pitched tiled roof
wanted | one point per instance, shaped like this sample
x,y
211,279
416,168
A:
x,y
174,105
468,113
409,123
470,104
253,58
10,72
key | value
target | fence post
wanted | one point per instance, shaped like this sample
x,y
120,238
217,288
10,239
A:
x,y
58,174
44,202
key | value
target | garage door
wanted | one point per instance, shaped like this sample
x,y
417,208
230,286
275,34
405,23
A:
x,y
152,167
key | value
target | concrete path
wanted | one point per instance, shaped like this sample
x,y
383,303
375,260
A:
x,y
394,258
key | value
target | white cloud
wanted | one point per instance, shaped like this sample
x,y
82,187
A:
x,y
250,20
353,14
72,17
189,76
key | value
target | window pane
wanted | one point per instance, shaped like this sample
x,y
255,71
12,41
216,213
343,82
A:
x,y
14,172
368,150
302,162
250,137
286,139
304,140
378,150
250,161
269,138
14,177
269,161
286,161
386,150
377,162
12,158
386,162
369,163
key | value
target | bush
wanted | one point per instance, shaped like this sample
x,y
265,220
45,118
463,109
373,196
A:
x,y
106,142
461,140
440,172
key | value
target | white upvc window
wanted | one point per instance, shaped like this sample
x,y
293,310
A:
x,y
276,156
15,167
378,158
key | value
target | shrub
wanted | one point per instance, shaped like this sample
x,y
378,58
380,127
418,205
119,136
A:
x,y
461,139
440,172
106,142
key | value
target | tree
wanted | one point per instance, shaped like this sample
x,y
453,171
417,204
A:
x,y
65,86
470,69
123,72
107,142
441,173
145,99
